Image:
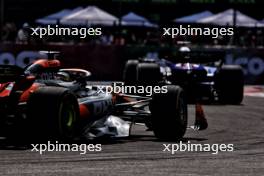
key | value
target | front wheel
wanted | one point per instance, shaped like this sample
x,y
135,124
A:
x,y
169,114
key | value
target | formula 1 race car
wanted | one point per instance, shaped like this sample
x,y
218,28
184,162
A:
x,y
203,76
44,101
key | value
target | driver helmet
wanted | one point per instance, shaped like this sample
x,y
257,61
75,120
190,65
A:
x,y
64,76
185,49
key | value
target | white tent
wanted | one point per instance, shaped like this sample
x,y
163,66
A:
x,y
91,15
133,19
194,17
227,18
56,17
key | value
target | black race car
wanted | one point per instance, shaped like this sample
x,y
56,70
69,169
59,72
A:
x,y
203,76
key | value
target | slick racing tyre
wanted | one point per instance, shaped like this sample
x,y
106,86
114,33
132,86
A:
x,y
53,112
229,82
148,74
169,114
130,72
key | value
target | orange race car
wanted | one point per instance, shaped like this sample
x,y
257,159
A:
x,y
44,101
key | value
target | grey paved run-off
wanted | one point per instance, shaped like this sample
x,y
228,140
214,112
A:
x,y
141,154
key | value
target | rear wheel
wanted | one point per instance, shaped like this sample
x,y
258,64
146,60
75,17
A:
x,y
229,83
53,112
169,114
148,74
130,72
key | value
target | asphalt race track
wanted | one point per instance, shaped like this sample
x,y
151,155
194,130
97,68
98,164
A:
x,y
142,154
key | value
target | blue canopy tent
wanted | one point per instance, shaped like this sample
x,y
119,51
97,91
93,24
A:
x,y
194,17
227,18
133,19
56,17
88,16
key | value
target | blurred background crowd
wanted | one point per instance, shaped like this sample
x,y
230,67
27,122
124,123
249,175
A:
x,y
133,22
132,29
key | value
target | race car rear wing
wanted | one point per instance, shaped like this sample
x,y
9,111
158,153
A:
x,y
198,57
10,73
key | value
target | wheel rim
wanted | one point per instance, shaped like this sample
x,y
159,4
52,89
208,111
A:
x,y
70,115
67,119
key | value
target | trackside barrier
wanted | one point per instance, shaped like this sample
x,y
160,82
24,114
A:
x,y
107,62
